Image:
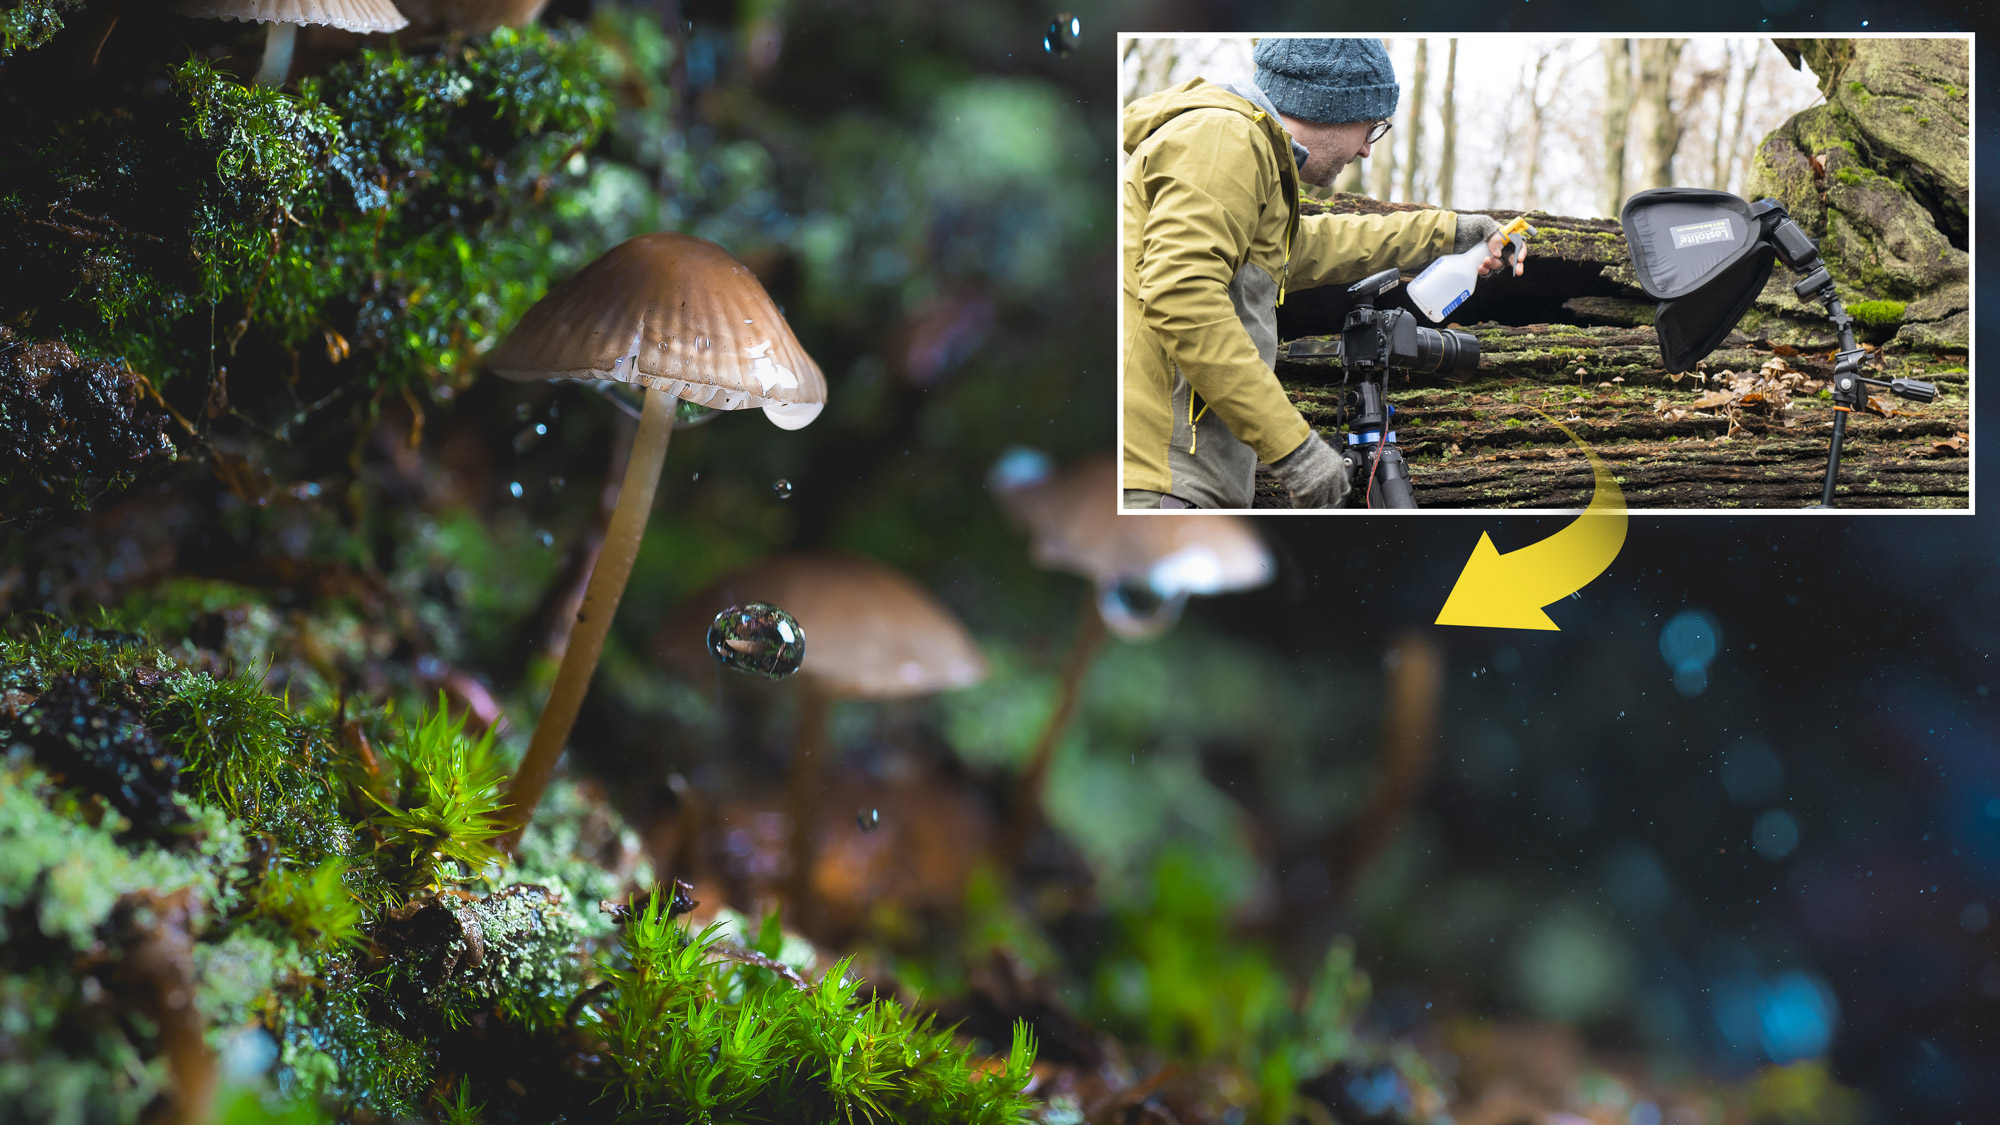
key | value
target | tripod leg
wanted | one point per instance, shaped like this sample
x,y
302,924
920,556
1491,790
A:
x,y
1833,457
1392,483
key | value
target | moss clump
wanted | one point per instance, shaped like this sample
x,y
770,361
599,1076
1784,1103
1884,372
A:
x,y
70,429
399,205
695,1036
1878,314
295,860
27,24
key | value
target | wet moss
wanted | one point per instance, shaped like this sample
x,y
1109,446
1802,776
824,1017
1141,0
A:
x,y
399,205
71,429
27,24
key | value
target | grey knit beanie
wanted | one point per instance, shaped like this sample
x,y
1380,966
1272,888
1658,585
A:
x,y
1328,80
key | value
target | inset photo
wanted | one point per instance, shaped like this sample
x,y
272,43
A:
x,y
1514,271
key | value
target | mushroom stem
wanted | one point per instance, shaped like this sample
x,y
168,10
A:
x,y
1409,742
277,66
593,620
802,796
1090,634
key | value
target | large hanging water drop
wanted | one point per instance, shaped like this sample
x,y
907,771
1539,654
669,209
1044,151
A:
x,y
1135,610
1062,34
757,638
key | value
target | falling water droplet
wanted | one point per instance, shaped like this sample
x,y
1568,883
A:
x,y
523,411
1062,34
1621,714
782,489
514,489
757,638
545,537
868,819
1133,609
557,483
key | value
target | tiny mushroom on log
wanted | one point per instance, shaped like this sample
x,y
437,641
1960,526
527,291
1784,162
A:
x,y
683,319
870,634
282,19
1142,569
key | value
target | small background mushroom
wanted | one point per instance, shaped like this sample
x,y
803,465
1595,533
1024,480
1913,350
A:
x,y
1142,569
871,634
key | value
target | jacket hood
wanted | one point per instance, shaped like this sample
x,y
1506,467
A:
x,y
1146,115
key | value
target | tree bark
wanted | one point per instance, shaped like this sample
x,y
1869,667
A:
x,y
1656,125
1448,129
1413,153
1617,122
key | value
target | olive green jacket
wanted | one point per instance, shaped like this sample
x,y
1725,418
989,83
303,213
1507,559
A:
x,y
1212,240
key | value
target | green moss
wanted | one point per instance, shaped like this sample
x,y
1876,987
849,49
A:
x,y
27,24
1877,313
401,204
438,826
696,1037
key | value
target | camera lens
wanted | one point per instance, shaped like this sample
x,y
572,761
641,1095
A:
x,y
1451,352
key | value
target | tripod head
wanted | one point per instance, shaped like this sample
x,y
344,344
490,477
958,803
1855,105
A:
x,y
1373,340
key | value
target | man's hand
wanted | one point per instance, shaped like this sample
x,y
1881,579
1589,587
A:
x,y
1315,475
1494,246
1472,229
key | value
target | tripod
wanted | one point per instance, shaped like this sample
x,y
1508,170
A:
x,y
1801,256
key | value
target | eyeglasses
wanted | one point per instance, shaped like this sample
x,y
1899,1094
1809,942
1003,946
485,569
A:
x,y
1379,128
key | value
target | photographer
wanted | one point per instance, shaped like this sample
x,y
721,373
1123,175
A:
x,y
1213,240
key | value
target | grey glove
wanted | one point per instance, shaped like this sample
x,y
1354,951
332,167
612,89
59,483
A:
x,y
1314,474
1473,230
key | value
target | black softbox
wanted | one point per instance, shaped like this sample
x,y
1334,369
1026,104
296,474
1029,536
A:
x,y
1703,256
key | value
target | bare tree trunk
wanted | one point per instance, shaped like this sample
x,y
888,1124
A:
x,y
1718,174
1155,60
1742,109
1531,153
1382,170
1506,138
1413,153
1448,129
1617,120
1655,123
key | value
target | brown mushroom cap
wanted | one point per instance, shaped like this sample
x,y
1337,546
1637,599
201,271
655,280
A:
x,y
347,15
1074,522
672,312
871,633
473,17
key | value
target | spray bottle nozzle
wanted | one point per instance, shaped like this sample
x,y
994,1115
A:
x,y
1517,232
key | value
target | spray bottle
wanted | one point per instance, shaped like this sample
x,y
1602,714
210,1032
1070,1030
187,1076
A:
x,y
1446,283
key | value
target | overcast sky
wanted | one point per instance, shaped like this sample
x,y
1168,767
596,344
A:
x,y
1491,103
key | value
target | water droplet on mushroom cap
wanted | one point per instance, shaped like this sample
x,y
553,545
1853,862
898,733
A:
x,y
1134,610
757,638
868,819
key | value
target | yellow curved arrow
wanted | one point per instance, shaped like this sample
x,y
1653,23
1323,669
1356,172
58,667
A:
x,y
1507,591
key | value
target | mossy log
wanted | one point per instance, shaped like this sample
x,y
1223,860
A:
x,y
1487,441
